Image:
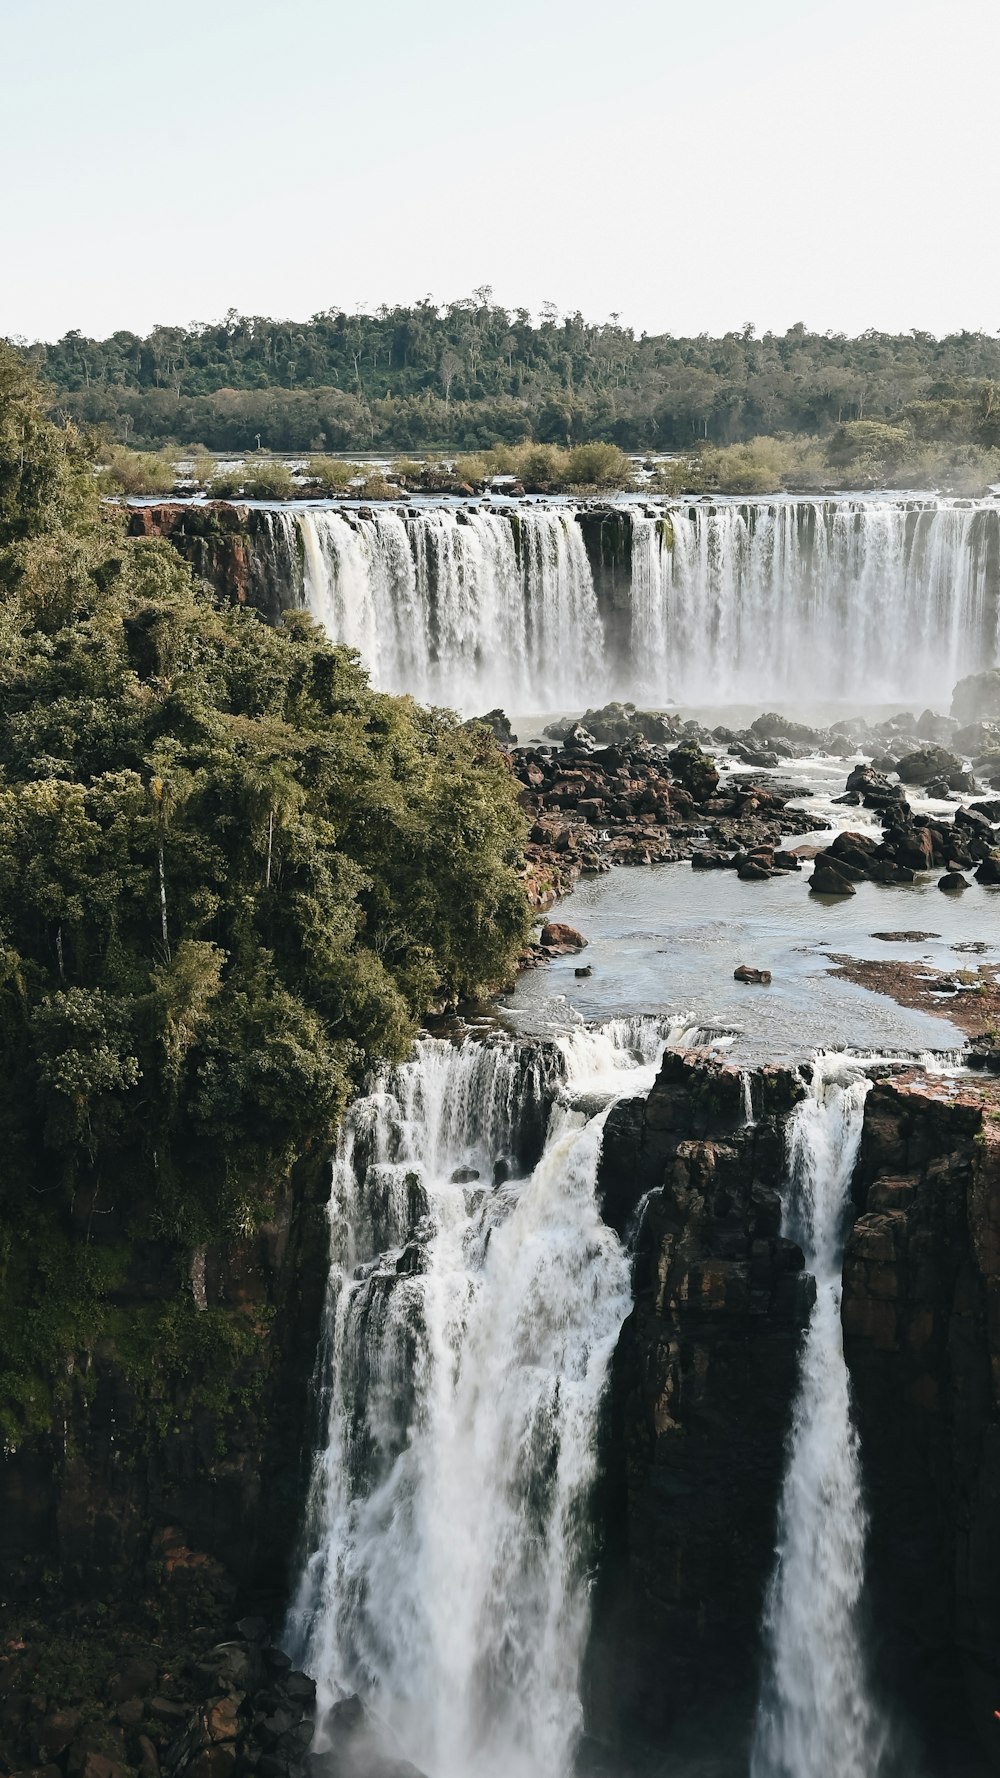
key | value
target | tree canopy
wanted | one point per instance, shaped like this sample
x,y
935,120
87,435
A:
x,y
472,373
232,877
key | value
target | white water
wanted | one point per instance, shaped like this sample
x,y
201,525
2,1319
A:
x,y
813,599
448,1575
864,600
816,1718
460,608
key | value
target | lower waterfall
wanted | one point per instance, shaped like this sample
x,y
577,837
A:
x,y
474,1303
816,1717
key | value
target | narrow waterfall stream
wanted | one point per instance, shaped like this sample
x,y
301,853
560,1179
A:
x,y
475,1299
816,1718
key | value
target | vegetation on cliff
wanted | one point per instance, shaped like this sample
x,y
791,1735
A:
x,y
473,374
231,877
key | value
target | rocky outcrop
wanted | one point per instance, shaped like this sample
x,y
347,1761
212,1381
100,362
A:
x,y
922,1338
230,546
702,1384
187,1465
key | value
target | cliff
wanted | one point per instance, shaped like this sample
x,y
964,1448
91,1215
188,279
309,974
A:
x,y
922,1339
701,1391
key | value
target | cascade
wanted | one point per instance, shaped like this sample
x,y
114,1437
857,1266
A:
x,y
462,608
811,599
744,601
475,1299
815,1715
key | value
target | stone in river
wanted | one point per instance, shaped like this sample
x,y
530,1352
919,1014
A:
x,y
744,972
828,880
555,935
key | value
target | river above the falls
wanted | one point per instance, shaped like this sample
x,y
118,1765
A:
x,y
665,939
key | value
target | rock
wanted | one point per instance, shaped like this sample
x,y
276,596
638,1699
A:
x,y
827,879
744,972
926,764
585,970
752,870
977,698
131,1712
134,1679
556,935
989,870
936,728
694,770
53,1734
498,721
952,879
97,1765
168,1711
149,1762
252,1629
464,1175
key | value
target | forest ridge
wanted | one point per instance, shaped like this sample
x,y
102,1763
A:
x,y
471,374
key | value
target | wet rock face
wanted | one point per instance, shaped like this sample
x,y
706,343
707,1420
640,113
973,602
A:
x,y
188,1497
700,1398
922,1338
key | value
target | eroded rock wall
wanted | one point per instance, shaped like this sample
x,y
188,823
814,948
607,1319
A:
x,y
922,1339
700,1401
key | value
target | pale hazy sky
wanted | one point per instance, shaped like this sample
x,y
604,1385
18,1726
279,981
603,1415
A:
x,y
692,167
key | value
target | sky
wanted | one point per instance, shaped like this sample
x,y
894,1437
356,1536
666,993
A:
x,y
688,167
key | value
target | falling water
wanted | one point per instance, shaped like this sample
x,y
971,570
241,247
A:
x,y
815,1716
475,1299
811,599
876,600
469,609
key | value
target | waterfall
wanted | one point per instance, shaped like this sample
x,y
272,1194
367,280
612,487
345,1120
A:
x,y
815,1716
475,1300
743,601
472,609
874,600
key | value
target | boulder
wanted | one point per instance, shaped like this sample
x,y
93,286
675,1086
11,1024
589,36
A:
x,y
694,770
746,973
557,936
926,764
498,721
952,879
828,879
989,870
977,698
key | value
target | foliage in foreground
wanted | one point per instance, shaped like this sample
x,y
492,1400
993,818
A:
x,y
231,877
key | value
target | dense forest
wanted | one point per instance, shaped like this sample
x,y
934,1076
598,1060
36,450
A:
x,y
473,374
232,877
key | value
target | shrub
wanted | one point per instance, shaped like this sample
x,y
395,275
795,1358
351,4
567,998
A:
x,y
268,481
332,474
600,466
542,467
137,472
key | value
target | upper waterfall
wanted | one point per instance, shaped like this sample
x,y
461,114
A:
x,y
795,600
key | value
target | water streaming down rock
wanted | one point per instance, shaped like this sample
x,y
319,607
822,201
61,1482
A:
x,y
469,1328
820,599
816,1716
469,609
728,602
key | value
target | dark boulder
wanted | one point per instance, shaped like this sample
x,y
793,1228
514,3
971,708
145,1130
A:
x,y
926,764
828,878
